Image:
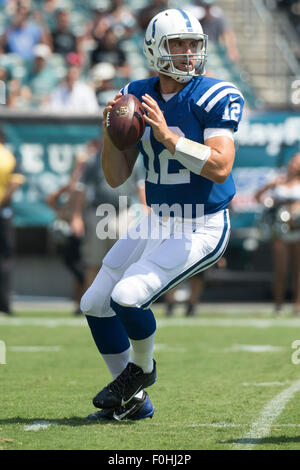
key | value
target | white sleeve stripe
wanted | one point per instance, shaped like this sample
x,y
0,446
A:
x,y
211,90
210,132
125,89
221,95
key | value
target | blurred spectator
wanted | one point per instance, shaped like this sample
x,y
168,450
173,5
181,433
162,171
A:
x,y
109,50
285,200
196,286
216,26
121,19
146,14
91,192
294,14
4,78
69,244
103,75
10,180
64,40
41,78
50,6
99,24
73,95
23,34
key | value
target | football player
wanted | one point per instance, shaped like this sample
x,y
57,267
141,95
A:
x,y
188,152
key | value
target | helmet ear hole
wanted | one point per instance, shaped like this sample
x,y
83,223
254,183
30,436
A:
x,y
151,51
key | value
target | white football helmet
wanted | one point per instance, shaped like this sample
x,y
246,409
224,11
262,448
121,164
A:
x,y
175,24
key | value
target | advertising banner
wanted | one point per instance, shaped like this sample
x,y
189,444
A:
x,y
47,148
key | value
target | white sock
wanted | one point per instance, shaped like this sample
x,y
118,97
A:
x,y
116,363
142,353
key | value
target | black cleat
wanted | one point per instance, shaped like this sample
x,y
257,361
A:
x,y
119,392
139,407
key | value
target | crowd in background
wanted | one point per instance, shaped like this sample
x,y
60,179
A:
x,y
72,56
292,8
50,59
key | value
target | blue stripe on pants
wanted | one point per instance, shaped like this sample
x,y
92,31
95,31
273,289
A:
x,y
201,265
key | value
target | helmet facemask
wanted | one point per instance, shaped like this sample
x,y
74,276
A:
x,y
175,24
166,62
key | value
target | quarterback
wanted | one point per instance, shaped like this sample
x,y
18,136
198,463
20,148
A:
x,y
188,152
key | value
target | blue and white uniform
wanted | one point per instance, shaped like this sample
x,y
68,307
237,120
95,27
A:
x,y
139,270
204,103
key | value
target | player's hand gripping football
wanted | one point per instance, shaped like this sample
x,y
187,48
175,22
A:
x,y
107,109
156,119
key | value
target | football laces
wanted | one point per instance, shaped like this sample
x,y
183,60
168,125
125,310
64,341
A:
x,y
107,119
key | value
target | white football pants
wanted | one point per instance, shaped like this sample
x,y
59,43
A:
x,y
139,269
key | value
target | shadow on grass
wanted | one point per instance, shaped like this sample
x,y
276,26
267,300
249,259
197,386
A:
x,y
71,421
264,440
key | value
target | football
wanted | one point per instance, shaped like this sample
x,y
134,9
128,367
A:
x,y
125,122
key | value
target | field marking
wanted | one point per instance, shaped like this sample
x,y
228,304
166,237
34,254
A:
x,y
34,348
216,425
162,322
166,348
233,425
235,308
230,322
44,424
262,426
265,384
37,425
46,322
255,348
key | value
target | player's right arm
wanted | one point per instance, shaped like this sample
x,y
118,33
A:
x,y
117,165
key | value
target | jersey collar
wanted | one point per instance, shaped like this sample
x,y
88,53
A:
x,y
180,96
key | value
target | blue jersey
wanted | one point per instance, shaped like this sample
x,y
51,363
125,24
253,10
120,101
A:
x,y
203,103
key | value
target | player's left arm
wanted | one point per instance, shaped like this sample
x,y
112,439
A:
x,y
213,160
220,162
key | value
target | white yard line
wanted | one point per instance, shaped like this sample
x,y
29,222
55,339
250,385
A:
x,y
262,426
37,425
166,348
216,425
43,424
161,322
265,384
34,348
255,348
233,425
229,322
46,322
235,308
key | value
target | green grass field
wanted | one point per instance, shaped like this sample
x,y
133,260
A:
x,y
225,381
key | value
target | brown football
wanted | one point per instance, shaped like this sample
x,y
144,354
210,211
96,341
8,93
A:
x,y
125,122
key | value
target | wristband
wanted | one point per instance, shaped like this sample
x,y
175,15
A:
x,y
192,155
